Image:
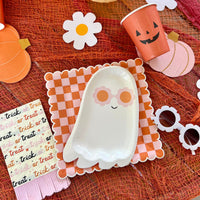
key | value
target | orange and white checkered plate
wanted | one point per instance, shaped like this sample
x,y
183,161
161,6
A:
x,y
65,90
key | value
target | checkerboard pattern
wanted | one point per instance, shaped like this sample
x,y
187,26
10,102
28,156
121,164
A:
x,y
65,90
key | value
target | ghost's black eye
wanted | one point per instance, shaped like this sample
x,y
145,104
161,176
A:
x,y
137,33
155,25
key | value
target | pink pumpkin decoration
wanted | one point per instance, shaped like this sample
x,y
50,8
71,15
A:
x,y
178,61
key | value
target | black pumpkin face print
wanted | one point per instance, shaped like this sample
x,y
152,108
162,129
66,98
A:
x,y
150,39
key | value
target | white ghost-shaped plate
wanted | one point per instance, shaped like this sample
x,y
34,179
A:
x,y
106,129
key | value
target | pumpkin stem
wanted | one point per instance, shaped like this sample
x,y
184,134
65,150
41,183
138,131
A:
x,y
24,43
173,36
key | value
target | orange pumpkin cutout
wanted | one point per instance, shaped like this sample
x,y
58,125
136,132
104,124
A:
x,y
15,62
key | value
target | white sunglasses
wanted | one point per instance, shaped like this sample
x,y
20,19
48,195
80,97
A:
x,y
167,119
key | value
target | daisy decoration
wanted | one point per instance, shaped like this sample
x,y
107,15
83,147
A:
x,y
81,30
161,4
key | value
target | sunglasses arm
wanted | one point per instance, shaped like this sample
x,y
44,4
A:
x,y
193,151
180,126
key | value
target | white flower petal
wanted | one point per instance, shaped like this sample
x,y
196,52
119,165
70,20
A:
x,y
90,17
68,37
68,25
91,40
198,95
198,83
79,43
160,7
96,27
77,16
171,4
151,1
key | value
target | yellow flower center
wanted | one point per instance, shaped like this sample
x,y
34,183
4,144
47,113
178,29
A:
x,y
81,29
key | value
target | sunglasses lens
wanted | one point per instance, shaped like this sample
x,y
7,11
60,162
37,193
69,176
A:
x,y
167,118
191,136
125,97
102,95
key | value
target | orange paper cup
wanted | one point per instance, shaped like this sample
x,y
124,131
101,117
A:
x,y
2,22
145,29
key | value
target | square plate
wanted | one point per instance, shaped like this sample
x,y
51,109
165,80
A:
x,y
65,90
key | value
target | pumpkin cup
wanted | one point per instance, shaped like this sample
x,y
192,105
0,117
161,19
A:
x,y
15,62
178,61
145,29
